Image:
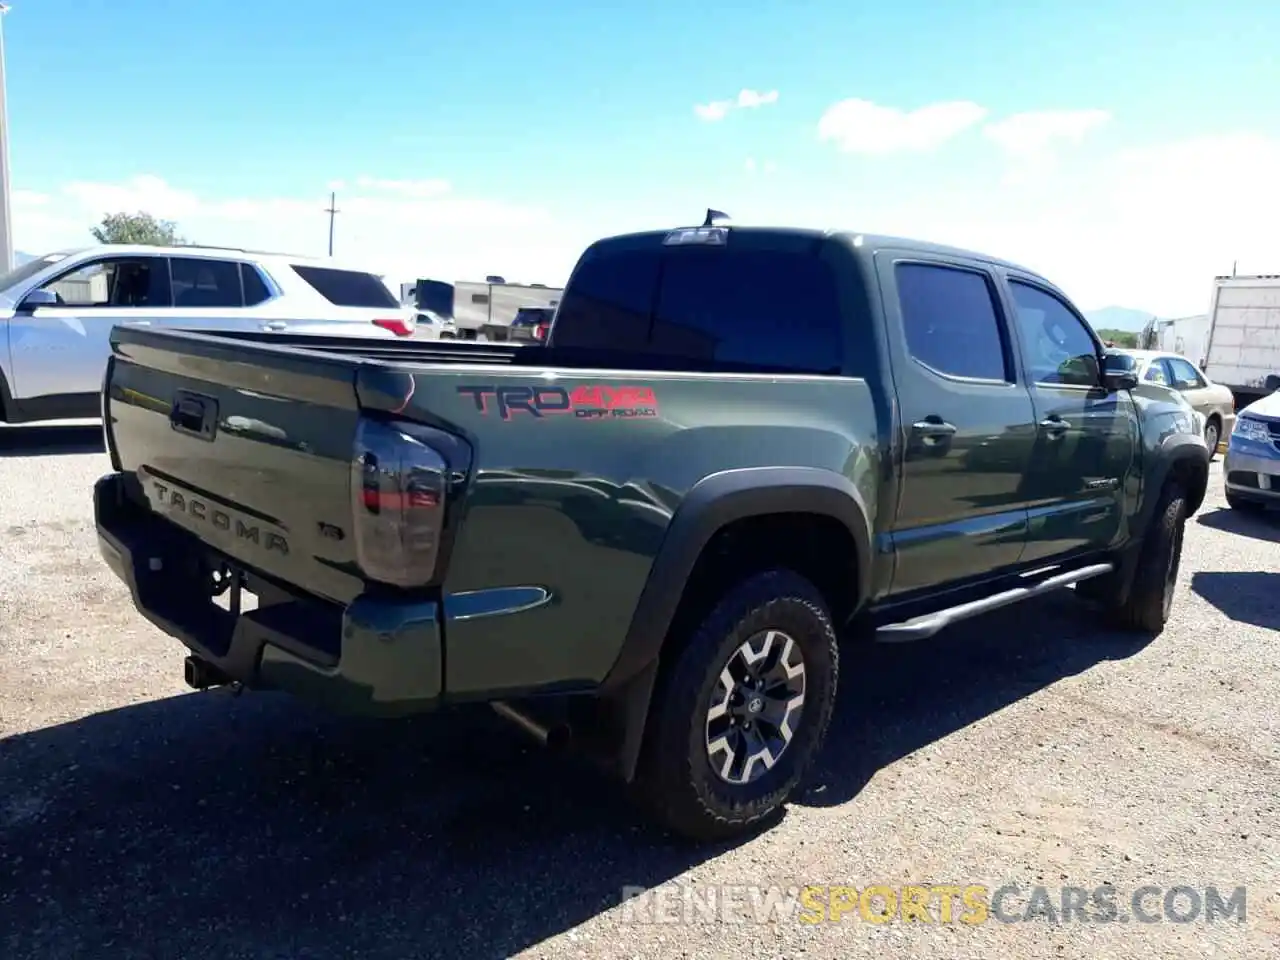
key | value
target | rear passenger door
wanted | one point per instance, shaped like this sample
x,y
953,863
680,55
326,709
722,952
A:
x,y
1086,436
968,426
215,293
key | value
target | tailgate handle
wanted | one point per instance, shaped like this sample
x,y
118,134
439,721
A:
x,y
195,415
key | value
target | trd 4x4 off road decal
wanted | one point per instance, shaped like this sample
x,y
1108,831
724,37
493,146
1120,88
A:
x,y
593,402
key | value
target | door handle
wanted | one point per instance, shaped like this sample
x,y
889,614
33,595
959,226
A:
x,y
1055,426
276,325
933,428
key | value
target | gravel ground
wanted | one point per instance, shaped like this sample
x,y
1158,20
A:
x,y
140,820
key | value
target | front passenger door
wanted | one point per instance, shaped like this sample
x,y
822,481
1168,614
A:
x,y
62,350
1077,486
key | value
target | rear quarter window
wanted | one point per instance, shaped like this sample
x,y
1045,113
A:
x,y
348,288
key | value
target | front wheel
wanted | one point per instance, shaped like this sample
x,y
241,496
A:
x,y
743,709
1151,596
1211,437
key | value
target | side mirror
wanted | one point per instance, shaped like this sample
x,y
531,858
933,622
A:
x,y
38,298
1119,372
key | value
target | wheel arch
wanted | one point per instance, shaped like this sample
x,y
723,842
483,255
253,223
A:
x,y
713,505
1182,457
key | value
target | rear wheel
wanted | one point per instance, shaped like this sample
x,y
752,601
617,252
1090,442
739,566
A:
x,y
739,715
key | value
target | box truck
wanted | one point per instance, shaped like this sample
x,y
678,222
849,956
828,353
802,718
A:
x,y
1243,348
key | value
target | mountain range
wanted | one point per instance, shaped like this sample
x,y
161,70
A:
x,y
1118,318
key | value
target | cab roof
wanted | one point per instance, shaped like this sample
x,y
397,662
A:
x,y
862,242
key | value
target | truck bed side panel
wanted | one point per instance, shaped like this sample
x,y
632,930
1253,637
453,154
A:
x,y
578,475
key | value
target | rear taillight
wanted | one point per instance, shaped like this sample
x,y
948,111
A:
x,y
540,331
398,488
400,326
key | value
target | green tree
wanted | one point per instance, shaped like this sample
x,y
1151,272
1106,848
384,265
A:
x,y
137,227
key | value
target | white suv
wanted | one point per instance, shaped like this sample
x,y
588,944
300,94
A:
x,y
58,311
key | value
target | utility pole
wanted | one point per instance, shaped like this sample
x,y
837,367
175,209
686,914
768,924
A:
x,y
332,209
6,224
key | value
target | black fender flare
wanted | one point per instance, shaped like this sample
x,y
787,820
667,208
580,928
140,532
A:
x,y
1176,449
713,502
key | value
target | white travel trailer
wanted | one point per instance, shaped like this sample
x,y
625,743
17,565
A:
x,y
480,309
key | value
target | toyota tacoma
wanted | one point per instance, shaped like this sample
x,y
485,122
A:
x,y
643,536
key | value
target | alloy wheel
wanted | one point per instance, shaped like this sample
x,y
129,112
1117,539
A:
x,y
755,707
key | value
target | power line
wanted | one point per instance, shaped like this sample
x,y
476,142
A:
x,y
331,210
6,224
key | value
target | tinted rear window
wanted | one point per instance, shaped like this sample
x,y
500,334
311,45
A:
x,y
755,308
608,301
348,288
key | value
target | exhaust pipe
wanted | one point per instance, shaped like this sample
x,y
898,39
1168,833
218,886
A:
x,y
553,736
201,675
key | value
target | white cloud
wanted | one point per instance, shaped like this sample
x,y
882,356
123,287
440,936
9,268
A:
x,y
1031,140
750,98
753,165
1031,135
745,100
28,198
407,228
1146,228
860,126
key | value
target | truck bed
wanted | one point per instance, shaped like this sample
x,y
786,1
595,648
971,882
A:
x,y
251,452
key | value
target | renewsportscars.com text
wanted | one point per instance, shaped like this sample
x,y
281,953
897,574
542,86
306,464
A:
x,y
969,904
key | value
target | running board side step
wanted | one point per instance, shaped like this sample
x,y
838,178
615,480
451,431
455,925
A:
x,y
921,628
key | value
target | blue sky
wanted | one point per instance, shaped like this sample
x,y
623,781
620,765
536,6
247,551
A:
x,y
500,137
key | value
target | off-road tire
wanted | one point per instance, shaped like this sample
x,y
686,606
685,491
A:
x,y
1244,505
1150,598
675,779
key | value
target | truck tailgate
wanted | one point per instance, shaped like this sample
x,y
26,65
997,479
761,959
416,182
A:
x,y
247,446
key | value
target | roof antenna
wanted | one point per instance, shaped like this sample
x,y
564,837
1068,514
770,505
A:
x,y
713,216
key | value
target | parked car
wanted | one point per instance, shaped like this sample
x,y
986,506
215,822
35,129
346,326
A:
x,y
1211,400
1252,464
531,324
642,538
433,326
58,310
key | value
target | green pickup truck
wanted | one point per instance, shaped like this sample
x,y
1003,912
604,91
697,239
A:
x,y
642,538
